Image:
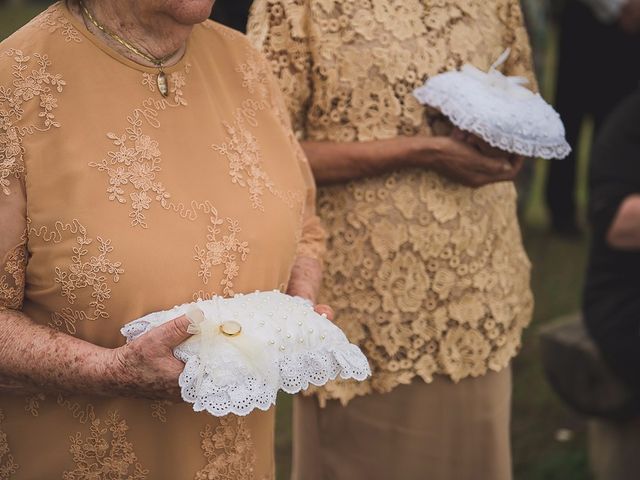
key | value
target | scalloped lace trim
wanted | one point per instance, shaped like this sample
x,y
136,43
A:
x,y
283,345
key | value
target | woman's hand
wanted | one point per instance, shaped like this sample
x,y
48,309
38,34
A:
x,y
146,367
324,310
463,161
453,158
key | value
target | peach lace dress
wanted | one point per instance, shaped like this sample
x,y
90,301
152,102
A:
x,y
116,202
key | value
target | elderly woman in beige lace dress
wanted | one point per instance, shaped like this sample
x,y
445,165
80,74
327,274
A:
x,y
425,266
146,159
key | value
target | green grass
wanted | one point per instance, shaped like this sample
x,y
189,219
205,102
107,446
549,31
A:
x,y
558,267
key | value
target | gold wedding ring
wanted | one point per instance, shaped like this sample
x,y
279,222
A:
x,y
230,328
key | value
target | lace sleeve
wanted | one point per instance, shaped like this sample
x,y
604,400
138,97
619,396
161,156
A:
x,y
277,28
12,220
520,61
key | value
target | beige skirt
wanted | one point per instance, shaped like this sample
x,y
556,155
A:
x,y
436,431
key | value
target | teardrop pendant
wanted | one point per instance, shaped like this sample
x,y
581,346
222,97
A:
x,y
163,84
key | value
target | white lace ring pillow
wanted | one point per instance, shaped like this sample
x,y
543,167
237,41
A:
x,y
246,348
498,109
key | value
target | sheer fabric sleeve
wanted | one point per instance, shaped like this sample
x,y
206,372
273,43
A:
x,y
520,62
313,236
278,29
13,222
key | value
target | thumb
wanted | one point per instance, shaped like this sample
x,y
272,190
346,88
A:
x,y
326,310
173,333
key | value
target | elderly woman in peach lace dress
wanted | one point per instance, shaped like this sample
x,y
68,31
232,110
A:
x,y
425,263
146,159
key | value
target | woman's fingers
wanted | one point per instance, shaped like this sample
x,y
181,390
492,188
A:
x,y
173,333
325,309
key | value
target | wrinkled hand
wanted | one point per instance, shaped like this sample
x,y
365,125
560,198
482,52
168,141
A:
x,y
516,161
146,367
467,161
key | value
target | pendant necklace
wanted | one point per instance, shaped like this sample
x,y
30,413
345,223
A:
x,y
161,79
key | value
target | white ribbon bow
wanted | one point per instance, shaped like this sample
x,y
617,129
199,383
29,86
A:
x,y
512,85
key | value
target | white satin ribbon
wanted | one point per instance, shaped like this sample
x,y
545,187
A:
x,y
511,85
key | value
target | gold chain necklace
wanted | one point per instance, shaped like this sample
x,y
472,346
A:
x,y
161,79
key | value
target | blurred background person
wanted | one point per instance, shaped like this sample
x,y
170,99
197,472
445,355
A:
x,y
612,289
597,67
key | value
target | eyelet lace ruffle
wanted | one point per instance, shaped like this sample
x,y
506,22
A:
x,y
499,110
283,345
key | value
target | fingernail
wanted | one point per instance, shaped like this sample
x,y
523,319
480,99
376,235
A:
x,y
195,316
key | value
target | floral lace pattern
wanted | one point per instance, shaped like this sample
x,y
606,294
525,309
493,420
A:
x,y
105,452
91,268
177,80
159,410
133,165
245,162
8,466
246,166
12,281
229,451
32,404
221,249
32,82
428,276
53,20
132,169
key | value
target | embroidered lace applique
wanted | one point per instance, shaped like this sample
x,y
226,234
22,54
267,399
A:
x,y
427,276
159,410
133,165
229,451
8,466
132,168
177,80
105,452
245,161
149,81
246,165
84,413
32,82
92,268
32,404
12,281
221,248
54,21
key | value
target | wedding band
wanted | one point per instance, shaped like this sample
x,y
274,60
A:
x,y
230,328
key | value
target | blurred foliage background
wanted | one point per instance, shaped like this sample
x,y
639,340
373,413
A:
x,y
539,452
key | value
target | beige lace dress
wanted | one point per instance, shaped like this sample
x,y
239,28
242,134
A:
x,y
428,276
116,202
